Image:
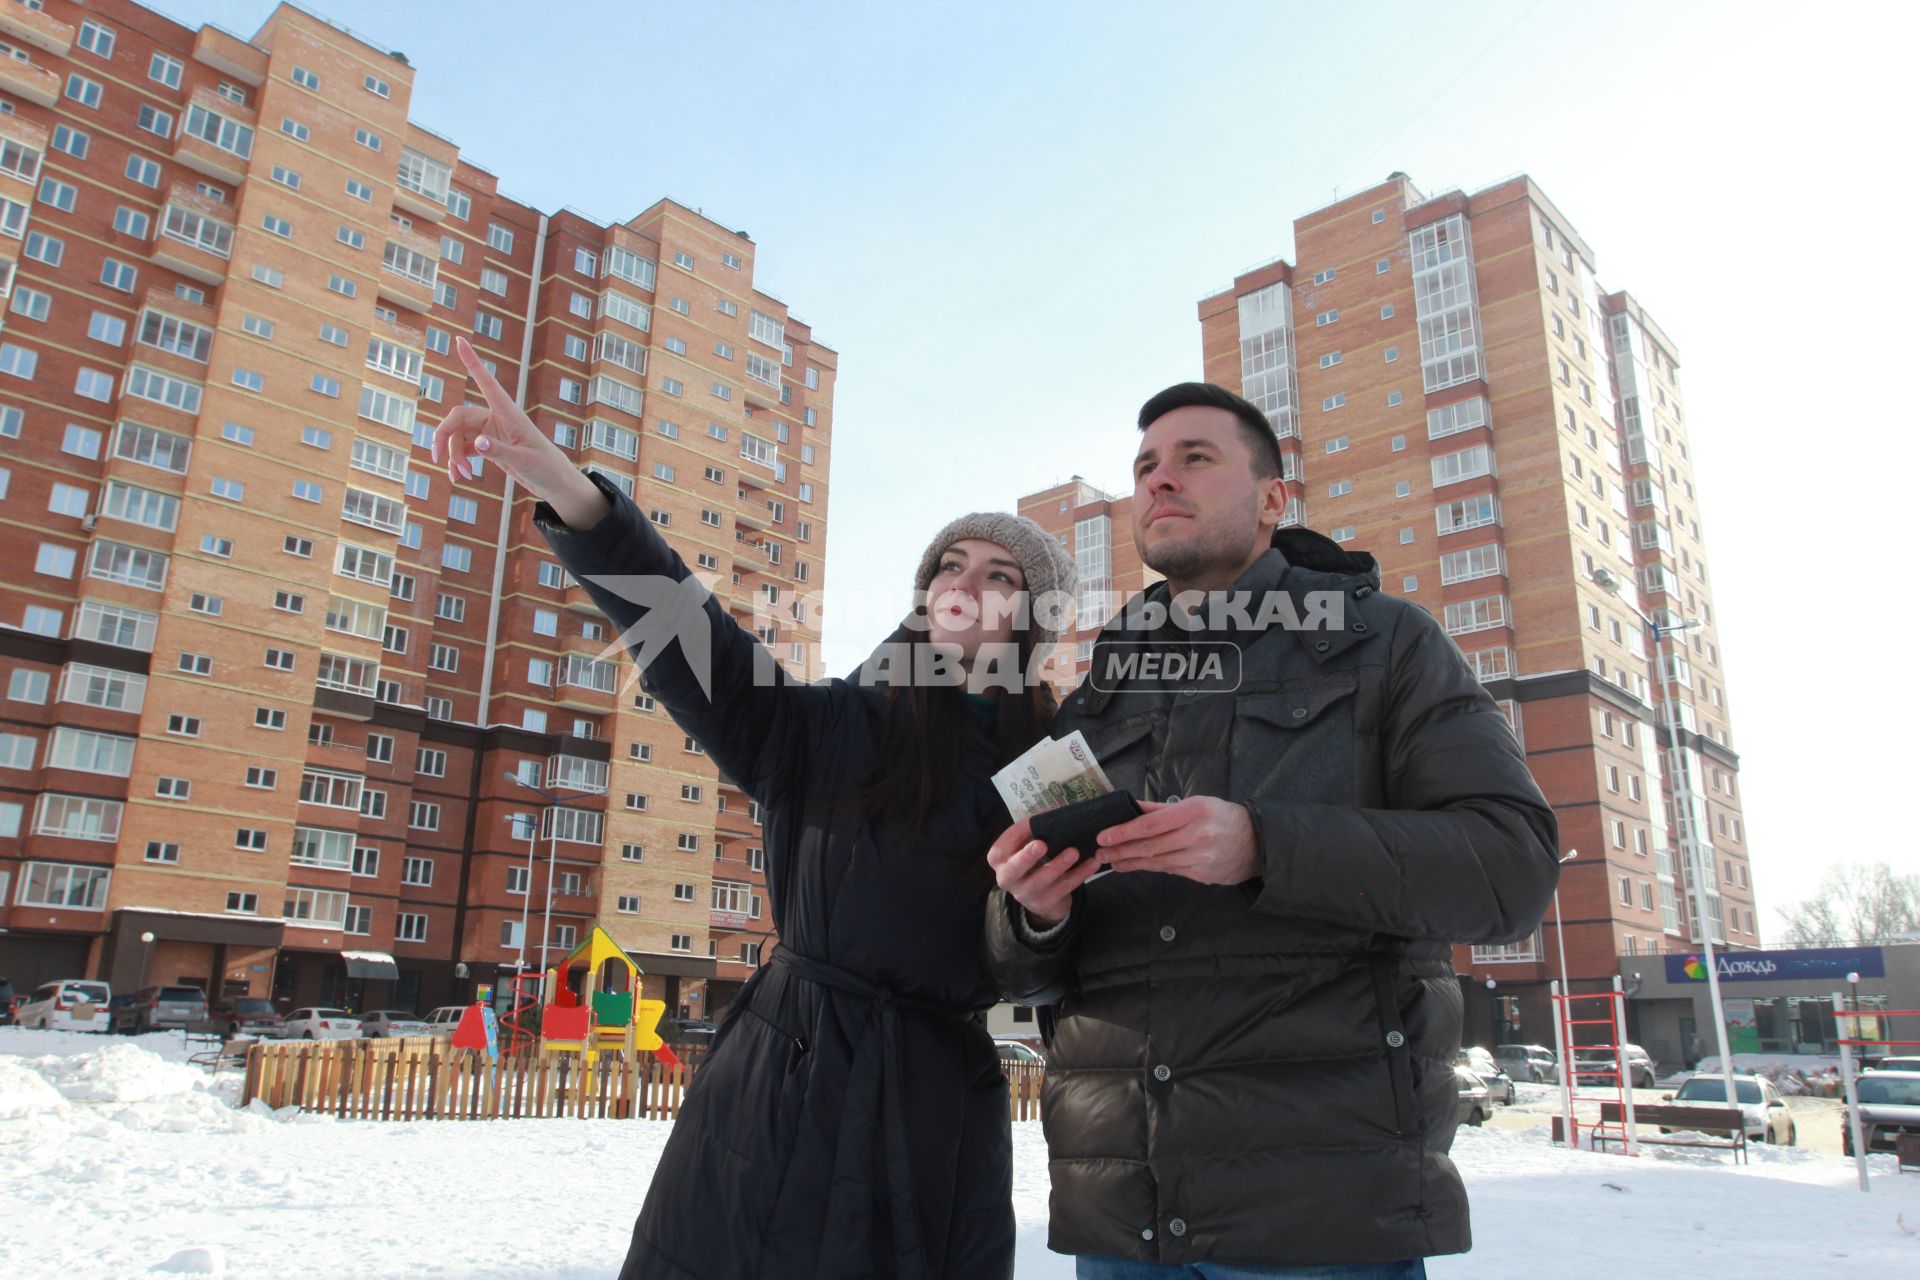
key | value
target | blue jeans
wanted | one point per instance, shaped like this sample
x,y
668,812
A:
x,y
1097,1268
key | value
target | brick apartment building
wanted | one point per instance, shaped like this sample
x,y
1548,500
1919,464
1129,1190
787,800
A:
x,y
1455,394
266,674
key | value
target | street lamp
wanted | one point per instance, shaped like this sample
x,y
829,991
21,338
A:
x,y
1560,934
1683,787
554,799
146,953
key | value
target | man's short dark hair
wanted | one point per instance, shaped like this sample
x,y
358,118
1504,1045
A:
x,y
1262,444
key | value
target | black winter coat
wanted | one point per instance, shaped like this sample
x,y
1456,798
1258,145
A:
x,y
1263,1074
850,1120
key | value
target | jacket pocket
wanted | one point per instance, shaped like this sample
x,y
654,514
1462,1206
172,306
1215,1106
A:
x,y
1296,743
1393,1038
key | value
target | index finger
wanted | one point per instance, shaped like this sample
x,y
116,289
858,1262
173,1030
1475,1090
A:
x,y
1161,819
1011,841
497,397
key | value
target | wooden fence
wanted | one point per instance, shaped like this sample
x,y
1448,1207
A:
x,y
428,1079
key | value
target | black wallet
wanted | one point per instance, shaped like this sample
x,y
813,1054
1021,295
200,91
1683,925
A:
x,y
1075,826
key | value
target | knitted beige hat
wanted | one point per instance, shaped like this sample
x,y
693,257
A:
x,y
1043,561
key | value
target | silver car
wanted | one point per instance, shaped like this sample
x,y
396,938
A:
x,y
392,1024
1889,1107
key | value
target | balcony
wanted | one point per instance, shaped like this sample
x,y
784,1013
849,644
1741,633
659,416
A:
x,y
25,80
228,53
729,920
749,518
410,265
31,26
193,237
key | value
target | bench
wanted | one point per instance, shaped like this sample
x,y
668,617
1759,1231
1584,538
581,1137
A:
x,y
231,1053
1728,1122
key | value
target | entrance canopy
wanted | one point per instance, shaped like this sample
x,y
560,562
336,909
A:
x,y
370,964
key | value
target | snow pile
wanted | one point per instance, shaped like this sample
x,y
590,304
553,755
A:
x,y
118,1073
24,1091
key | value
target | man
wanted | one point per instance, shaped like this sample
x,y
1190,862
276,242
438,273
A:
x,y
1254,1020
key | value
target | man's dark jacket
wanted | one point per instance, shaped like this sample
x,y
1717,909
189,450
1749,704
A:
x,y
1264,1073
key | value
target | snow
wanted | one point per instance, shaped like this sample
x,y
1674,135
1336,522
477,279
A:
x,y
120,1160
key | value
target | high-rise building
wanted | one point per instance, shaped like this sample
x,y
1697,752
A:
x,y
1455,394
283,709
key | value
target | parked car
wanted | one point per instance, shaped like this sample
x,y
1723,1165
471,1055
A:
x,y
1481,1063
443,1020
315,1023
687,1033
1896,1064
1597,1066
1533,1063
1476,1101
157,1009
1018,1051
1889,1107
70,1004
391,1024
6,1002
1763,1111
245,1016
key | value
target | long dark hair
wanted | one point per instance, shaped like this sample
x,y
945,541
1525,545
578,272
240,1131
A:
x,y
918,760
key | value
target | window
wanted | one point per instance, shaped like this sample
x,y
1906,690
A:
x,y
40,246
377,87
116,274
18,361
87,92
359,190
70,886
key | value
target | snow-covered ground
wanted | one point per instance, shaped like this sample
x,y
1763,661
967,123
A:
x,y
118,1160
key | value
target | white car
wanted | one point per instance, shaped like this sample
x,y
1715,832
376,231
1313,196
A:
x,y
320,1024
443,1021
1018,1051
67,1005
392,1024
1763,1111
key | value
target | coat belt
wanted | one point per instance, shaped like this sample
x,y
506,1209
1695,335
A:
x,y
874,1085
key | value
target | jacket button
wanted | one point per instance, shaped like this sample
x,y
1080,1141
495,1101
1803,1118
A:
x,y
1146,1233
1395,1039
1178,1226
1322,647
1299,713
1359,626
1163,1073
1175,798
1168,933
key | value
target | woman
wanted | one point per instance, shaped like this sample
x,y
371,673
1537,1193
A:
x,y
851,1117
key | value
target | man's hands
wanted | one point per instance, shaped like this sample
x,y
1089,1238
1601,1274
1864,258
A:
x,y
501,430
1203,838
1044,889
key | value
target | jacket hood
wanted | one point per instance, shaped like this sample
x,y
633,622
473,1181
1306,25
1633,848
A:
x,y
1317,551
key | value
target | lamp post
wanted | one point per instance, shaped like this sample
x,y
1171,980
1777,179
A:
x,y
1566,991
526,889
146,953
554,799
1683,788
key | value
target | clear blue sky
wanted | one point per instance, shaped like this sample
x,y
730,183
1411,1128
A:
x,y
1002,216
